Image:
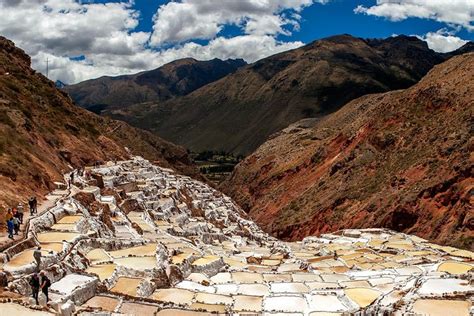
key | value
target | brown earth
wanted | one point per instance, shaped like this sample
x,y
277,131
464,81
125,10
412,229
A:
x,y
42,134
239,112
402,160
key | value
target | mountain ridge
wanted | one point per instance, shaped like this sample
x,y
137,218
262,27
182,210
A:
x,y
401,159
239,111
173,79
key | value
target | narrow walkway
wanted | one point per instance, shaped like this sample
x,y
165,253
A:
x,y
43,207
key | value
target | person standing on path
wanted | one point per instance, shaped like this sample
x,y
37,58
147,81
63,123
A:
x,y
10,227
35,286
16,224
32,204
20,212
37,255
35,205
9,215
71,179
44,285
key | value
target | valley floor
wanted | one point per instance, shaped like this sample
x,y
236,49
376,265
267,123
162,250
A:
x,y
133,238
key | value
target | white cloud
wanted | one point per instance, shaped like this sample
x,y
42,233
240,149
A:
x,y
105,33
453,12
204,19
248,47
443,41
67,27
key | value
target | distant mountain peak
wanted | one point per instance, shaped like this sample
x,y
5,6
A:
x,y
237,113
177,78
237,110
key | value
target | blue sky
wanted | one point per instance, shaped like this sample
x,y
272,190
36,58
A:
x,y
322,20
84,39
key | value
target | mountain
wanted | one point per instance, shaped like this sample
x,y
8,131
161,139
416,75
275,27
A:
x,y
238,112
42,133
177,78
401,160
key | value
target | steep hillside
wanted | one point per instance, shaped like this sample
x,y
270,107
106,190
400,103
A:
x,y
402,160
237,113
177,78
42,133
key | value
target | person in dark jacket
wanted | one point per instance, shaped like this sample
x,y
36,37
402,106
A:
x,y
32,203
10,227
71,179
37,256
35,286
45,283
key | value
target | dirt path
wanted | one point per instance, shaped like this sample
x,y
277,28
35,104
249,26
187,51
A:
x,y
43,207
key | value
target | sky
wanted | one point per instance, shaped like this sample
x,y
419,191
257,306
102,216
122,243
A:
x,y
85,39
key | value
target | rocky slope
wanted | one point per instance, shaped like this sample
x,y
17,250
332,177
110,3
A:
x,y
177,78
401,160
237,113
42,133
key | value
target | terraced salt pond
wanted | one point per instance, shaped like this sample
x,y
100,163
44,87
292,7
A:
x,y
126,286
108,304
137,263
454,267
153,256
98,255
103,271
441,307
55,237
146,250
175,296
22,259
15,309
362,296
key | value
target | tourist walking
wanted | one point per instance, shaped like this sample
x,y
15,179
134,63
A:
x,y
37,256
10,227
20,212
71,178
16,224
44,285
9,215
35,286
33,203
